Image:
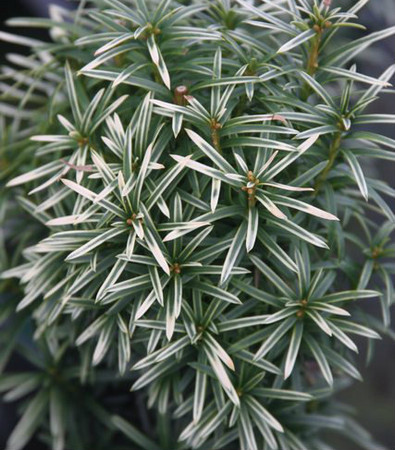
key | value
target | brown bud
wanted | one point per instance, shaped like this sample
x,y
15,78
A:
x,y
131,219
82,141
176,268
215,125
316,28
375,252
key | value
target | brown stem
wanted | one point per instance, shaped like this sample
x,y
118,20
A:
x,y
179,95
215,138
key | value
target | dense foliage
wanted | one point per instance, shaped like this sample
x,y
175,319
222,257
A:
x,y
190,216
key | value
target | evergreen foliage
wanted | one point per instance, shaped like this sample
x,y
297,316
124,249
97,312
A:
x,y
190,217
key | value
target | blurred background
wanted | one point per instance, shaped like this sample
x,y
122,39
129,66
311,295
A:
x,y
373,400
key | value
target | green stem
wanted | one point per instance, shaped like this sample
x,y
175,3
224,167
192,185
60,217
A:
x,y
242,103
164,430
333,152
312,63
